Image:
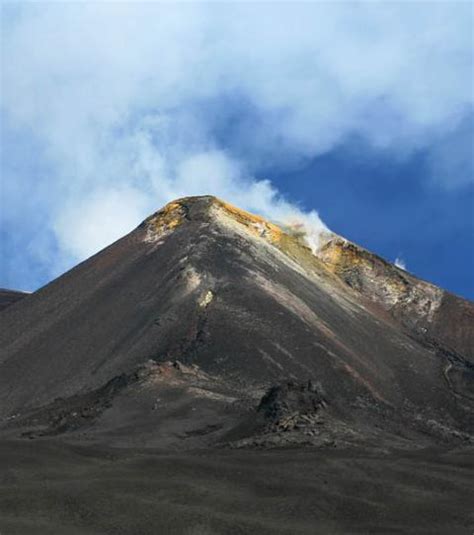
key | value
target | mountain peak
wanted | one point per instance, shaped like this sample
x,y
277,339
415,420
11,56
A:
x,y
206,208
236,304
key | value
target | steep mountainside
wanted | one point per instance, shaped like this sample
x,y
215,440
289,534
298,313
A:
x,y
436,317
208,299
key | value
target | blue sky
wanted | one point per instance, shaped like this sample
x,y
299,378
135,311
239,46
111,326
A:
x,y
354,116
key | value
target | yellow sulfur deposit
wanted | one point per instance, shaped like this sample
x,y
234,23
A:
x,y
339,255
256,224
166,220
288,240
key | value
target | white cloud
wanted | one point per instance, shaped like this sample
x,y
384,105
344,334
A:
x,y
96,220
129,101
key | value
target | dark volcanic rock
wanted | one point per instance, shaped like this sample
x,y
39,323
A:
x,y
291,400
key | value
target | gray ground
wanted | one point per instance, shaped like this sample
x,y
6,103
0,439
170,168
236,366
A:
x,y
47,487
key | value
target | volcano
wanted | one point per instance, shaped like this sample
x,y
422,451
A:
x,y
211,372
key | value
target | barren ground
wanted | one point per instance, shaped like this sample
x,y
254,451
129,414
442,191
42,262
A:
x,y
48,487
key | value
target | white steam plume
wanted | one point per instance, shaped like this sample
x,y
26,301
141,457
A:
x,y
400,263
